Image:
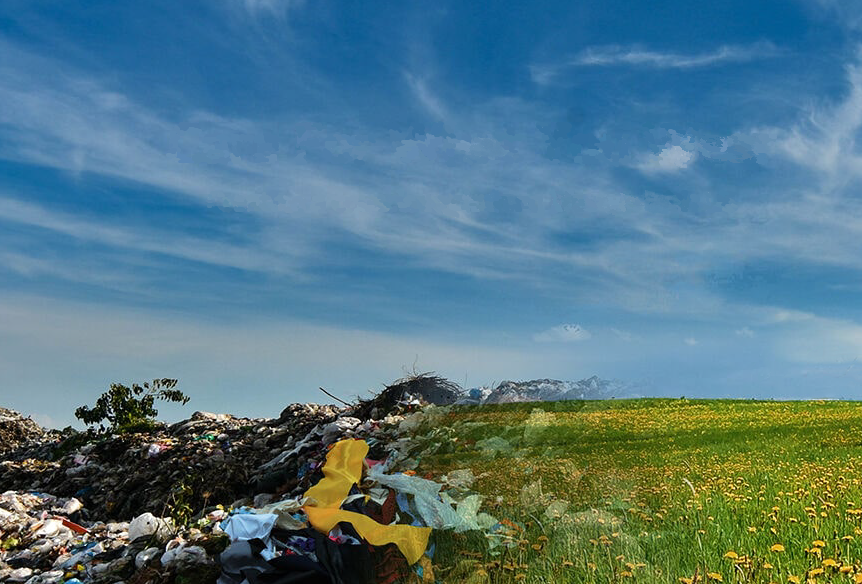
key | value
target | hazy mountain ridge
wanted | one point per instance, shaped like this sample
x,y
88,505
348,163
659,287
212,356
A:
x,y
548,390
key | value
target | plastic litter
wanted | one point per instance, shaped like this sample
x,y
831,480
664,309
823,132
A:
x,y
145,557
433,511
148,525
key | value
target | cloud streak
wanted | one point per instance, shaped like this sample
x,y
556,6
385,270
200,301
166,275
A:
x,y
639,57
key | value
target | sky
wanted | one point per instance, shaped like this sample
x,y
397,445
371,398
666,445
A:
x,y
262,197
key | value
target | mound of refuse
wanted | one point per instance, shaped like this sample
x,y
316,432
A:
x,y
320,494
16,431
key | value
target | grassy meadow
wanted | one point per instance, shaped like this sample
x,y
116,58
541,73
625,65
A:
x,y
654,490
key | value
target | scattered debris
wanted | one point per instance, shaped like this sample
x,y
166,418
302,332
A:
x,y
321,493
16,430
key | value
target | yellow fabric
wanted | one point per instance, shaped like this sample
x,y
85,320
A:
x,y
343,468
412,541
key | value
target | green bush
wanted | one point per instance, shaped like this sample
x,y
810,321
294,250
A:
x,y
130,409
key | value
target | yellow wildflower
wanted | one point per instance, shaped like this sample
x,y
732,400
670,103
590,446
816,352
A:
x,y
777,548
731,555
715,576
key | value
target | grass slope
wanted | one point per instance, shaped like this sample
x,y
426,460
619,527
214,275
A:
x,y
656,490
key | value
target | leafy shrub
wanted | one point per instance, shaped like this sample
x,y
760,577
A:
x,y
130,409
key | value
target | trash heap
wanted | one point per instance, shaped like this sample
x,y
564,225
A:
x,y
16,431
320,494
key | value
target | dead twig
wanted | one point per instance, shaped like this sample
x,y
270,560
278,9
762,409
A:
x,y
333,397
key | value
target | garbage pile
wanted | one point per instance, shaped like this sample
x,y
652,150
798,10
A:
x,y
196,462
316,495
16,431
45,540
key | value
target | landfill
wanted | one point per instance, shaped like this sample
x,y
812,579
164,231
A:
x,y
320,494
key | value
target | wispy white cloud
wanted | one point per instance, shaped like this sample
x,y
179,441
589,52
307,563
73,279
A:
x,y
482,201
690,341
623,335
150,240
427,99
670,159
745,332
564,333
272,7
636,56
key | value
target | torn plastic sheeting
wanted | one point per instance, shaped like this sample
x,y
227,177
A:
x,y
468,508
343,469
435,512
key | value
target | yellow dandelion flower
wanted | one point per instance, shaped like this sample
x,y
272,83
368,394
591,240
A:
x,y
777,548
857,579
815,572
715,576
795,580
731,555
687,580
829,563
626,574
847,538
818,543
752,530
567,564
767,566
845,569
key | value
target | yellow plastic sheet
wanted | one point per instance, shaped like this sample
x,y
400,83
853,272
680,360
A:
x,y
343,468
412,541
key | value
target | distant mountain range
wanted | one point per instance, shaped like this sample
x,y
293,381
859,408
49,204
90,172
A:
x,y
547,390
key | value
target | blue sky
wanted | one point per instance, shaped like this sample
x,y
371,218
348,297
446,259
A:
x,y
260,197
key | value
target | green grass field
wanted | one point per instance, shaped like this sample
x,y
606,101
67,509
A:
x,y
655,490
